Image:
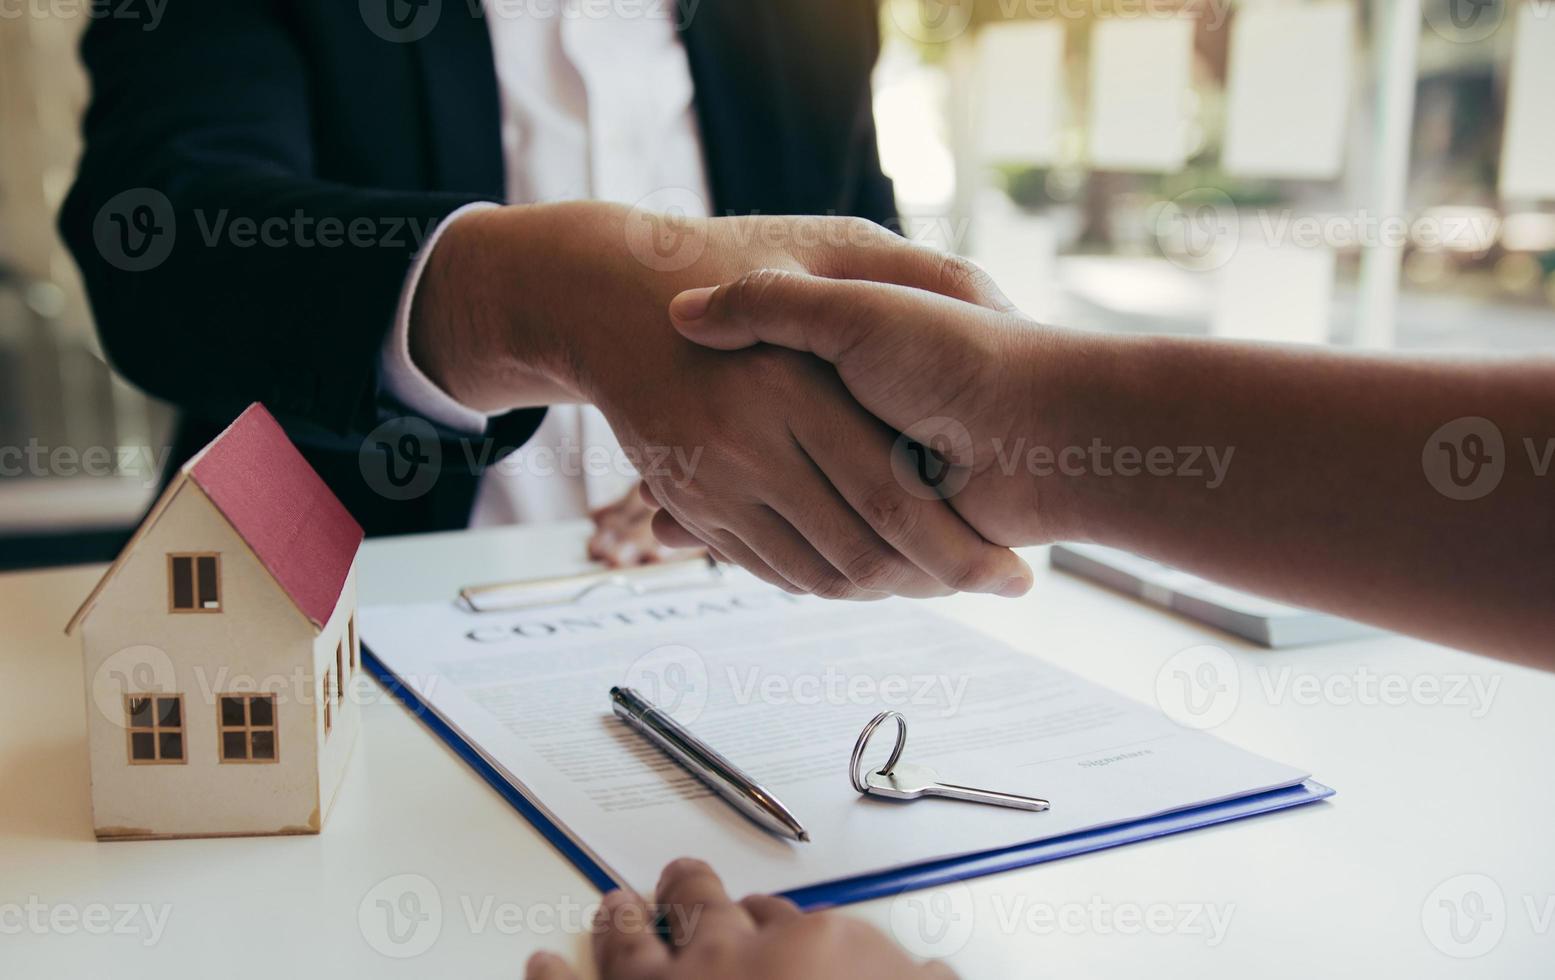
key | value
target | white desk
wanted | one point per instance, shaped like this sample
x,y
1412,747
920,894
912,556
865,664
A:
x,y
1427,792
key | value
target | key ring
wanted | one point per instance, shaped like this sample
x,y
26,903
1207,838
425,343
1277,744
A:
x,y
863,743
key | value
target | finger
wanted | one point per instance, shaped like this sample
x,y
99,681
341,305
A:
x,y
769,910
646,493
844,539
821,316
868,251
792,554
908,517
626,942
671,534
695,905
548,966
726,548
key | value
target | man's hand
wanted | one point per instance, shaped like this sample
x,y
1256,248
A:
x,y
963,381
714,938
623,535
761,455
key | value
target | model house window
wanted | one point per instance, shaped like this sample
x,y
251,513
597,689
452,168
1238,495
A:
x,y
247,727
156,728
355,647
329,700
340,667
194,583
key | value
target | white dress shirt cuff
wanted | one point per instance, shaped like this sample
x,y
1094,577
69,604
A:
x,y
402,379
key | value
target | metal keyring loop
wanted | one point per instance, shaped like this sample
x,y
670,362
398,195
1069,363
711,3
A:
x,y
863,743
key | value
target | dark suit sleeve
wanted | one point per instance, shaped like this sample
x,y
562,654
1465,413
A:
x,y
262,281
874,196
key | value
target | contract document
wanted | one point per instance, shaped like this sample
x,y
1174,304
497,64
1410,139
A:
x,y
782,686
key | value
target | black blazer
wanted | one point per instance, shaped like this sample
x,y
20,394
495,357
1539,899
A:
x,y
302,110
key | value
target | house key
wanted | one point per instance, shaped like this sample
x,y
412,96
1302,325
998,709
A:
x,y
907,782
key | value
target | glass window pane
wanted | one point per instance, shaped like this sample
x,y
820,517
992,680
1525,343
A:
x,y
209,599
172,744
142,746
232,711
183,583
171,711
234,745
140,712
262,711
264,745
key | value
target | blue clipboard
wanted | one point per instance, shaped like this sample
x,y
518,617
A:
x,y
886,883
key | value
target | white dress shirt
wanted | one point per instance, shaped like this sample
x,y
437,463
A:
x,y
596,104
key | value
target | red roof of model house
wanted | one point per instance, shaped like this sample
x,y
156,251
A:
x,y
278,505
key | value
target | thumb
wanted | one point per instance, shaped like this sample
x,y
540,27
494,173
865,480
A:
x,y
820,316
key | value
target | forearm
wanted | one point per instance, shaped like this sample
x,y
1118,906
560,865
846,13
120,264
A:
x,y
1301,474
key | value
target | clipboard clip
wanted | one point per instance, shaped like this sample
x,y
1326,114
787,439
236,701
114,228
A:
x,y
696,572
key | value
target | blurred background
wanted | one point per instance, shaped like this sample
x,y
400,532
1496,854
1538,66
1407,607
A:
x,y
1354,172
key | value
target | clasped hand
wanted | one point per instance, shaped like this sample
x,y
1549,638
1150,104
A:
x,y
761,454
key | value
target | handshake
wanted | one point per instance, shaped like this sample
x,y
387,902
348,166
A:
x,y
826,395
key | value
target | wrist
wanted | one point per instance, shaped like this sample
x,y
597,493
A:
x,y
485,321
1060,387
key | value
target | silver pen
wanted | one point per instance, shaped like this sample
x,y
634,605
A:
x,y
703,761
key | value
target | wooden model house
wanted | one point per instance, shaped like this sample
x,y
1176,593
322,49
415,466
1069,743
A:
x,y
219,646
